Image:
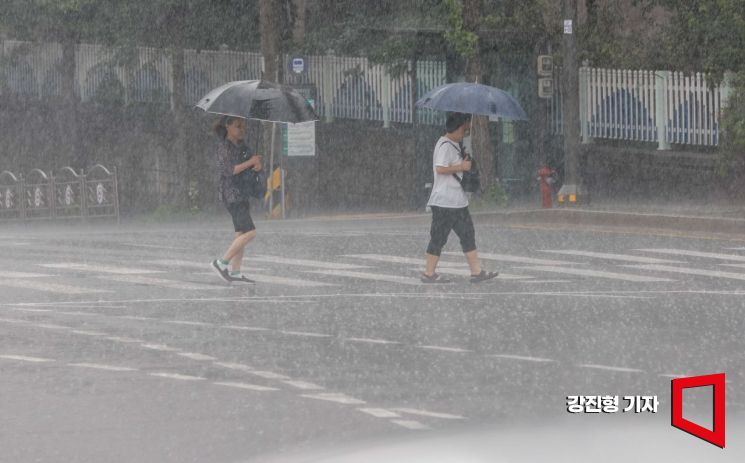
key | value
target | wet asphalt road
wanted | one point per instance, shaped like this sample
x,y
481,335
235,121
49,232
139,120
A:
x,y
119,344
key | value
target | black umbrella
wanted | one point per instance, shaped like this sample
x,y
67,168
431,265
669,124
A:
x,y
473,98
258,99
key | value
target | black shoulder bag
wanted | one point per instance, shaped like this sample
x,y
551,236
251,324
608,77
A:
x,y
471,180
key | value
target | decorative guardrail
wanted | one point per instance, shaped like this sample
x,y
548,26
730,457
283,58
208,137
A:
x,y
63,195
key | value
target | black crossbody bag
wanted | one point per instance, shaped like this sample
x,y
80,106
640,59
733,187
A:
x,y
471,180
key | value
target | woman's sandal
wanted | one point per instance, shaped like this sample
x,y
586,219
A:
x,y
435,278
483,276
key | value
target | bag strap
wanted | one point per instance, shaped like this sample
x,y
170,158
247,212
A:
x,y
460,153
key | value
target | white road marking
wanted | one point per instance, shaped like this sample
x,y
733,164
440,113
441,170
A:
x,y
467,273
287,281
371,341
597,274
335,397
100,268
250,387
195,356
709,255
445,349
178,376
31,310
521,357
188,323
413,411
304,263
620,257
88,333
124,339
49,287
692,271
379,412
734,265
244,328
5,274
611,368
402,260
304,385
410,424
135,317
23,358
161,282
370,276
234,366
306,334
160,347
77,314
96,366
51,326
518,259
267,374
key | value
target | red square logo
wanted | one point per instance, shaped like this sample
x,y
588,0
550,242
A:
x,y
715,436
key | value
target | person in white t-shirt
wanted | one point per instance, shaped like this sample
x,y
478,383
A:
x,y
449,203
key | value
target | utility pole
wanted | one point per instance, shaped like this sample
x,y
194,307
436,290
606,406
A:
x,y
571,191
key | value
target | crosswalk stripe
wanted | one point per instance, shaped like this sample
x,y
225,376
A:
x,y
691,271
173,284
97,366
196,265
621,257
411,424
100,268
369,276
412,411
23,358
288,281
734,265
49,287
21,275
467,273
596,273
402,260
304,262
335,397
518,259
249,387
685,252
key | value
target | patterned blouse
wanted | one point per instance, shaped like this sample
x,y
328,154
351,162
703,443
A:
x,y
227,157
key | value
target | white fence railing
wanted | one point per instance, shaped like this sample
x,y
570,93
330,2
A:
x,y
346,87
662,107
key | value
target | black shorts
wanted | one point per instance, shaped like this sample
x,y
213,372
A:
x,y
241,214
445,220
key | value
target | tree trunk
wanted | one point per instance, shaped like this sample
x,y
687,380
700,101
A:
x,y
480,136
269,30
298,27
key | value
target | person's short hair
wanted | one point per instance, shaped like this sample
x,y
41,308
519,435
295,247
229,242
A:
x,y
455,120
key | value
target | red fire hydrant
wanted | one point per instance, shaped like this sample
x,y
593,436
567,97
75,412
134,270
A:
x,y
545,177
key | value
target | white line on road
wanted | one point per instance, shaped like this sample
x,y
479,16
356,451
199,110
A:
x,y
88,333
178,376
124,339
134,317
195,356
521,357
371,341
335,397
596,274
23,358
4,274
244,328
691,271
31,310
306,386
97,366
188,323
467,273
370,276
304,263
160,347
246,386
306,334
445,349
49,287
267,375
734,265
519,259
161,282
402,260
410,424
100,268
610,368
620,257
379,412
288,281
413,411
234,366
684,252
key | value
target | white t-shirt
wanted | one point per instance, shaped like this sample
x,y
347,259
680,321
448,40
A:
x,y
446,190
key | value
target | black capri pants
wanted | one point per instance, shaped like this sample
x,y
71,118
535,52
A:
x,y
241,214
445,219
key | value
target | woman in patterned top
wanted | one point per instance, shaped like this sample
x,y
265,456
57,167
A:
x,y
232,158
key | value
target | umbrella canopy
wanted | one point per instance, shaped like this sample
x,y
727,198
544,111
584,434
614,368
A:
x,y
258,99
471,98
